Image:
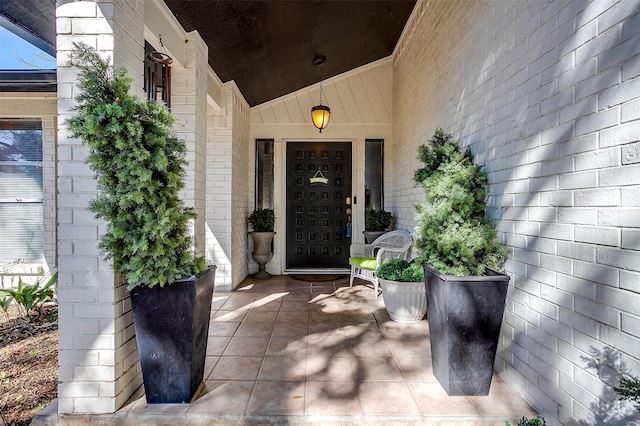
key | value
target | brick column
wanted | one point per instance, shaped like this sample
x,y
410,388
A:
x,y
227,188
98,368
189,106
219,164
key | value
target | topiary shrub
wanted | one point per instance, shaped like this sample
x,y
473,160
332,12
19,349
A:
x,y
401,270
262,220
139,166
377,220
452,233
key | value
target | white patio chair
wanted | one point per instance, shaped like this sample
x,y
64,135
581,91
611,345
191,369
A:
x,y
365,258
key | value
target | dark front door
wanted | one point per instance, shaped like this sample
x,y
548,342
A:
x,y
317,215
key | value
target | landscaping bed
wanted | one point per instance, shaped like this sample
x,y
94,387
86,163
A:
x,y
28,364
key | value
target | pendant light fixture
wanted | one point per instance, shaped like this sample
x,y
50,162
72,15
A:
x,y
320,114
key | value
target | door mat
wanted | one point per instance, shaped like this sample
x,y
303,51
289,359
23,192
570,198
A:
x,y
318,277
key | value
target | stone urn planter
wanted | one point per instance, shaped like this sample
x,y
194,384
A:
x,y
262,252
376,223
465,316
405,302
172,326
371,236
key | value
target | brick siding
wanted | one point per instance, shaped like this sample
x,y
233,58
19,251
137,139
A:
x,y
546,95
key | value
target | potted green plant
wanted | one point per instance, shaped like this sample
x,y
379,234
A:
x,y
376,223
139,167
465,293
403,289
262,221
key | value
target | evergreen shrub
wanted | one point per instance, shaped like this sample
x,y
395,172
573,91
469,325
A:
x,y
262,220
401,270
452,233
377,220
139,165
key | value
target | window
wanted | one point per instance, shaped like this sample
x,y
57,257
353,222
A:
x,y
373,174
21,213
264,173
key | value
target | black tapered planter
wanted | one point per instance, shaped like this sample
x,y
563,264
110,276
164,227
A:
x,y
172,327
465,316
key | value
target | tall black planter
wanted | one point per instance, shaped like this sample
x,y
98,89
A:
x,y
172,327
465,316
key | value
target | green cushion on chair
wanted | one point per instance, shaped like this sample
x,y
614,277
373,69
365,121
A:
x,y
364,262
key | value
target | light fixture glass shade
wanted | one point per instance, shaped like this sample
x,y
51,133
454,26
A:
x,y
320,115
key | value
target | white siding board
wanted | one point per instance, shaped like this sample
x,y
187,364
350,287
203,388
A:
x,y
305,102
347,101
333,101
384,78
294,110
363,95
267,114
279,110
255,116
361,99
375,98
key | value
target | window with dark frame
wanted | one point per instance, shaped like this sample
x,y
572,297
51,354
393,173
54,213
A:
x,y
373,174
264,174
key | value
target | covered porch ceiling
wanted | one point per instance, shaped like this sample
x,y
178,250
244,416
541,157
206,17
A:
x,y
265,46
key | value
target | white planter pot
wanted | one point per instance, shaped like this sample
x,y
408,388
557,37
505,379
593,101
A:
x,y
406,302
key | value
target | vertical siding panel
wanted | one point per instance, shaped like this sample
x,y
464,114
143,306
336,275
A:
x,y
347,101
361,99
293,109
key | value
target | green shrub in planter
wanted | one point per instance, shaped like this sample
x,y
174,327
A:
x,y
465,295
403,290
377,220
262,220
139,165
401,270
452,232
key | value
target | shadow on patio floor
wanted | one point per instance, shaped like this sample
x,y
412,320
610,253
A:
x,y
287,351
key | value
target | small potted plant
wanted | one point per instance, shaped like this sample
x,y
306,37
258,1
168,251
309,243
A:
x,y
262,221
139,165
376,223
465,292
403,289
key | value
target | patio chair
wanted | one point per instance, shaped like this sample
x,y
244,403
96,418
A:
x,y
365,258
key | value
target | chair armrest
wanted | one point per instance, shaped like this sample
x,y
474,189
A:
x,y
361,250
390,253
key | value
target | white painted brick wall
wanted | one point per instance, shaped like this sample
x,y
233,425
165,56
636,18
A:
x,y
94,312
242,185
229,161
189,107
546,94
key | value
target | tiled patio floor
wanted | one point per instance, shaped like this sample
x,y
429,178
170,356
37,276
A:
x,y
286,351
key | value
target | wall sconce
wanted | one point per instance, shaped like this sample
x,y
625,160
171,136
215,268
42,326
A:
x,y
320,114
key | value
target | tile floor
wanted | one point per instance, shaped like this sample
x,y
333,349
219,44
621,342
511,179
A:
x,y
287,351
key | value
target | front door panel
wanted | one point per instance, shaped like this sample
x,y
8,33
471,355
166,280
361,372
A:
x,y
317,217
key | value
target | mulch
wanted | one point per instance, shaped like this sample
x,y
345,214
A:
x,y
28,365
